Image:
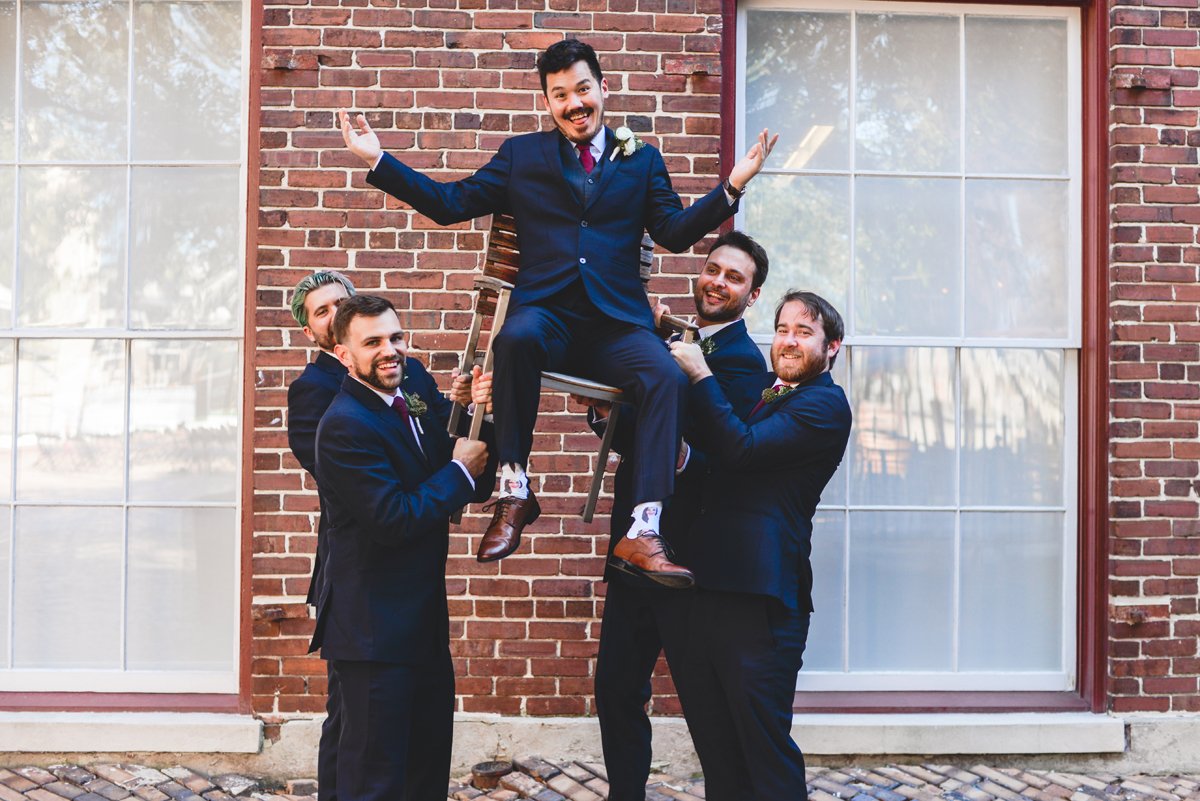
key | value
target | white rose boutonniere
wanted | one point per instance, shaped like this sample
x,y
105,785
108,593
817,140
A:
x,y
627,143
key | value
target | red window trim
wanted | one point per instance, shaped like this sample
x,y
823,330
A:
x,y
1091,624
118,702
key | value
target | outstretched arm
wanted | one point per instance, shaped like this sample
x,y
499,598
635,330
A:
x,y
445,203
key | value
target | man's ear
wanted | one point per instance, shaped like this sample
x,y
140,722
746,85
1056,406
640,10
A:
x,y
343,354
833,348
604,87
308,333
754,293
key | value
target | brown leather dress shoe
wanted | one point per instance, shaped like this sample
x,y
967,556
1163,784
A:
x,y
504,534
646,556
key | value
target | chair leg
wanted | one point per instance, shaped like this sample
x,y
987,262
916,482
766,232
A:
x,y
477,420
601,463
464,367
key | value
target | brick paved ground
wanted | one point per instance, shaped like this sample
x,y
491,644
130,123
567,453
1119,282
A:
x,y
542,780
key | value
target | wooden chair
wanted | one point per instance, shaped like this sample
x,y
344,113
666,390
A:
x,y
495,287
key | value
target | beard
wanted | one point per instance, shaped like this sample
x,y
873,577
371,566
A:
x,y
800,370
722,312
372,377
325,342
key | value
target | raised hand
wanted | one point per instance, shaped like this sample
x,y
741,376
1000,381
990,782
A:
x,y
753,161
460,388
690,359
481,389
472,453
362,143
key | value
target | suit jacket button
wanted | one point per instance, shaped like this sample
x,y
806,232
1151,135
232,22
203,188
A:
x,y
584,223
583,261
591,180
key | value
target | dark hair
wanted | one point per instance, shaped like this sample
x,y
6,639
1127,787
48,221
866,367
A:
x,y
819,310
561,55
741,241
357,306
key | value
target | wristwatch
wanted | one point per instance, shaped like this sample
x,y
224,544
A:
x,y
736,194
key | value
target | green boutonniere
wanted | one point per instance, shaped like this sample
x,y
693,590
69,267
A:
x,y
770,394
416,406
707,346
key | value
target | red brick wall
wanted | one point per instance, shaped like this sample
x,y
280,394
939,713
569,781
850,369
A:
x,y
445,82
1155,357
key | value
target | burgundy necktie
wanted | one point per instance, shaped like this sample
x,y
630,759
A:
x,y
585,157
778,386
401,408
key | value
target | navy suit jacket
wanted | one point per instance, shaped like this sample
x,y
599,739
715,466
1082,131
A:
x,y
308,398
736,356
560,236
383,597
764,477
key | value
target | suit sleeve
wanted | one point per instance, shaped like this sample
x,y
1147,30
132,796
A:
x,y
669,223
783,438
307,401
452,202
355,468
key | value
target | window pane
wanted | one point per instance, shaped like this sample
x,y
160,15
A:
x,y
8,82
1016,95
825,633
1016,258
813,254
186,260
1012,568
187,74
183,416
5,582
798,84
76,552
902,445
71,419
74,80
1012,426
8,202
834,493
72,259
6,410
908,262
907,105
901,590
181,579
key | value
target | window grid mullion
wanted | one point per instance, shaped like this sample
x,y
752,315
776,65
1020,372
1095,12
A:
x,y
956,616
852,314
846,533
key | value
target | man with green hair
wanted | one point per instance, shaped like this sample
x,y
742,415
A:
x,y
314,303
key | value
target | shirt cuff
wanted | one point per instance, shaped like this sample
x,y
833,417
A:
x,y
687,457
728,196
466,472
375,166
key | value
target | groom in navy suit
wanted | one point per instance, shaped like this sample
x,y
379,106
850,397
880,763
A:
x,y
581,201
390,477
770,449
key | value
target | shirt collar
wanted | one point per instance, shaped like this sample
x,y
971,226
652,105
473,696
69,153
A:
x,y
709,330
597,143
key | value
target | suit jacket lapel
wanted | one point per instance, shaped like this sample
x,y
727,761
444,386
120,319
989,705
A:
x,y
822,380
729,332
375,403
554,161
330,364
610,167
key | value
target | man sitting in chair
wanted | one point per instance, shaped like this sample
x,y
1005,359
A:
x,y
581,199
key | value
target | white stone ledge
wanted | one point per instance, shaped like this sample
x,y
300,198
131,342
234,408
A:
x,y
947,733
133,732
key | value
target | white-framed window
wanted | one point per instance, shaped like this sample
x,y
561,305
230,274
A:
x,y
122,197
927,182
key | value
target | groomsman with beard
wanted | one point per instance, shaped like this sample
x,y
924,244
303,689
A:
x,y
315,301
770,449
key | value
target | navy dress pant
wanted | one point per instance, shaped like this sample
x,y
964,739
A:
x,y
744,652
568,334
639,622
331,732
397,730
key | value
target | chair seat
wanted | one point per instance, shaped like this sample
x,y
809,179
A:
x,y
560,382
